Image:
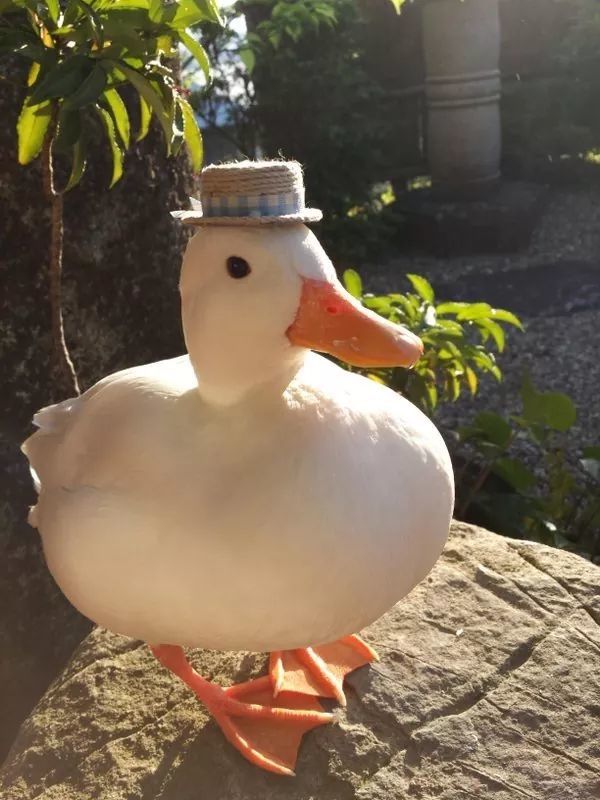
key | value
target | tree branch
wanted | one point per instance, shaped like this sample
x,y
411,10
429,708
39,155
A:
x,y
66,377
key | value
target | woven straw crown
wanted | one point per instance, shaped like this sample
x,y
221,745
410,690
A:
x,y
250,193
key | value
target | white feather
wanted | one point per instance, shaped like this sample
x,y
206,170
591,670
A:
x,y
268,508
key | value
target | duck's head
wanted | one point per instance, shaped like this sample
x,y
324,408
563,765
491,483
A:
x,y
255,299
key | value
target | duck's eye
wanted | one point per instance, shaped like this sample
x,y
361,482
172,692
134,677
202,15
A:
x,y
238,267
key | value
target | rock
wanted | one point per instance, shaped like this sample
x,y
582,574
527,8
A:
x,y
488,686
39,628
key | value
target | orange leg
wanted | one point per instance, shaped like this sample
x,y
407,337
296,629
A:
x,y
319,671
266,732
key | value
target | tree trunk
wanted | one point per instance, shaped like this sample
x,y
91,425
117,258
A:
x,y
122,253
65,377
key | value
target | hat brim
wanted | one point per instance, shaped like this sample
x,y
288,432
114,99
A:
x,y
194,218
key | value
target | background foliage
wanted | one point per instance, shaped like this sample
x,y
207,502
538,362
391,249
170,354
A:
x,y
551,116
309,55
459,341
558,502
82,54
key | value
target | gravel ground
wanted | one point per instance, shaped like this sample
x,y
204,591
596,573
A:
x,y
554,286
568,230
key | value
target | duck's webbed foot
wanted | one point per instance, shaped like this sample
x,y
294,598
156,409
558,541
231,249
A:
x,y
320,670
266,730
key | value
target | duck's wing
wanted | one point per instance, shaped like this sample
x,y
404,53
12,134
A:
x,y
53,424
66,430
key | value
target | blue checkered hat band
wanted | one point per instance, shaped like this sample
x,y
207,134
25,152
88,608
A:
x,y
253,205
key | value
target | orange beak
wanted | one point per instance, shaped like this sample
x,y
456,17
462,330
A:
x,y
330,320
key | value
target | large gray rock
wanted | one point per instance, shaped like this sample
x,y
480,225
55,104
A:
x,y
489,686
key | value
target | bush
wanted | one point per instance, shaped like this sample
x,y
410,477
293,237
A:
x,y
557,504
311,98
551,122
459,338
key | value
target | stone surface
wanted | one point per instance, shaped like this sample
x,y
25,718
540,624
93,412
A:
x,y
488,686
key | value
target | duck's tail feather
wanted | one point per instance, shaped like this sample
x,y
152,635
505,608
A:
x,y
42,446
54,419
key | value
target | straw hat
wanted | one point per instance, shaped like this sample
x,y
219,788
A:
x,y
250,193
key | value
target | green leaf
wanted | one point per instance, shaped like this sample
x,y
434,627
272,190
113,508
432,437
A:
x,y
31,130
496,429
89,91
213,12
21,43
496,372
450,308
554,410
78,167
53,9
184,13
117,153
408,304
274,38
199,53
432,394
452,387
94,21
381,305
248,58
501,315
448,350
71,13
156,10
353,283
515,473
130,28
165,90
69,130
593,451
119,114
191,133
472,380
449,325
482,359
422,287
62,80
144,87
145,117
474,311
494,330
104,5
166,46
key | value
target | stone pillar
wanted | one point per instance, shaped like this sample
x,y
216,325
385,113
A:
x,y
461,41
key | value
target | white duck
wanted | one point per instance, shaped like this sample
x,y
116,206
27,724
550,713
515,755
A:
x,y
252,495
